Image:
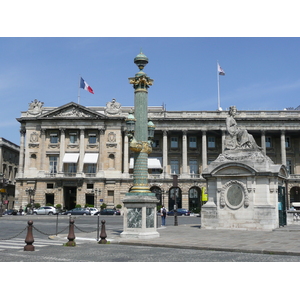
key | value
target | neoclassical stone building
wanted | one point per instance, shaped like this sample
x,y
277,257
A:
x,y
74,154
9,163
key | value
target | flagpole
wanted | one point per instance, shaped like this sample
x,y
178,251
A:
x,y
79,89
218,79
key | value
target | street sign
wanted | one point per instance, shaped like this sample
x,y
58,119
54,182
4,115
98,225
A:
x,y
101,200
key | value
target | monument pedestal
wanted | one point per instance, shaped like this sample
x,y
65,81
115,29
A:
x,y
244,191
140,216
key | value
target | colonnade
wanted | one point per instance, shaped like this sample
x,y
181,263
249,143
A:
x,y
24,161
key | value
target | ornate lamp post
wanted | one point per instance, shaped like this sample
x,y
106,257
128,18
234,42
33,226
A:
x,y
140,203
140,141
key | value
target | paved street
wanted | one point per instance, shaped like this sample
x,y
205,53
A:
x,y
93,252
183,243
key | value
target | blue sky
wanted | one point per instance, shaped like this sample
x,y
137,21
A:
x,y
44,48
261,73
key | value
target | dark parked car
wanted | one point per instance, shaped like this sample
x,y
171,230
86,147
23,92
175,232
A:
x,y
10,212
108,211
180,212
78,211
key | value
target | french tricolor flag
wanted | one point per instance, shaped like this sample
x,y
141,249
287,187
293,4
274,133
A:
x,y
85,86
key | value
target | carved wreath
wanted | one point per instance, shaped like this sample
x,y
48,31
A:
x,y
225,188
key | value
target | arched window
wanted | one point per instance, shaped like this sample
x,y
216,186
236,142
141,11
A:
x,y
175,197
158,193
194,199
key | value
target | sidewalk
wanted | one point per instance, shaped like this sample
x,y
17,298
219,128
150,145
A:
x,y
283,241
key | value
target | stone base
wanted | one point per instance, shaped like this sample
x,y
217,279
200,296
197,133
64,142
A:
x,y
242,191
251,218
139,235
140,216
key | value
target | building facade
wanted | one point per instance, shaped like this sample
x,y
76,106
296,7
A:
x,y
9,163
74,154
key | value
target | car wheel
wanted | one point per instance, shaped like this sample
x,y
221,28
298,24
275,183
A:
x,y
84,214
35,213
50,213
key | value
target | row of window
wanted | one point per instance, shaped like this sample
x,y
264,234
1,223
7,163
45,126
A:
x,y
174,144
73,138
211,142
269,143
174,165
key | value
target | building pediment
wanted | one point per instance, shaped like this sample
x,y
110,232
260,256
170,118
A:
x,y
233,169
72,110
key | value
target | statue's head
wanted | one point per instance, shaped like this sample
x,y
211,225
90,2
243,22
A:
x,y
232,110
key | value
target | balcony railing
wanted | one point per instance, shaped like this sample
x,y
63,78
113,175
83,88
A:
x,y
150,176
69,174
192,175
50,174
90,174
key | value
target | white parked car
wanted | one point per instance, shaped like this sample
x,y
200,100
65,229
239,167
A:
x,y
45,210
93,210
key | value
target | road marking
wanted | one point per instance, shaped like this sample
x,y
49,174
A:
x,y
20,243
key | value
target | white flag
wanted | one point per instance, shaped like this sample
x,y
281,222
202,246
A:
x,y
220,70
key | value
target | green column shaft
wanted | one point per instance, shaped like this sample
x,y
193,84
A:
x,y
141,114
140,172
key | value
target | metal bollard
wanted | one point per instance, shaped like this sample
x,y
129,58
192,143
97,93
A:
x,y
103,235
71,235
29,238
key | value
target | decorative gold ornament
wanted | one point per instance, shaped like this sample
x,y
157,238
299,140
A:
x,y
143,147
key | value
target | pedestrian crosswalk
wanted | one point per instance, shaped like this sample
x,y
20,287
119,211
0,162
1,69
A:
x,y
18,243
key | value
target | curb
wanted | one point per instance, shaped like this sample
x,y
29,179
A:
x,y
269,252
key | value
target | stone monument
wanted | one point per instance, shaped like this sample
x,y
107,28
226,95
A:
x,y
245,188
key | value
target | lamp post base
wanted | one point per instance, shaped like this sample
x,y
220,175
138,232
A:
x,y
140,216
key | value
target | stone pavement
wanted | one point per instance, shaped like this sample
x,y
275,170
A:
x,y
283,241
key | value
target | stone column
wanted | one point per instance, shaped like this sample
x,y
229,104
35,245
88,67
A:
x,y
125,158
22,147
184,153
26,164
204,150
283,151
223,140
165,152
43,154
61,150
101,157
81,151
263,141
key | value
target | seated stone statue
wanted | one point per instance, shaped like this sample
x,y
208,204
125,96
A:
x,y
238,138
